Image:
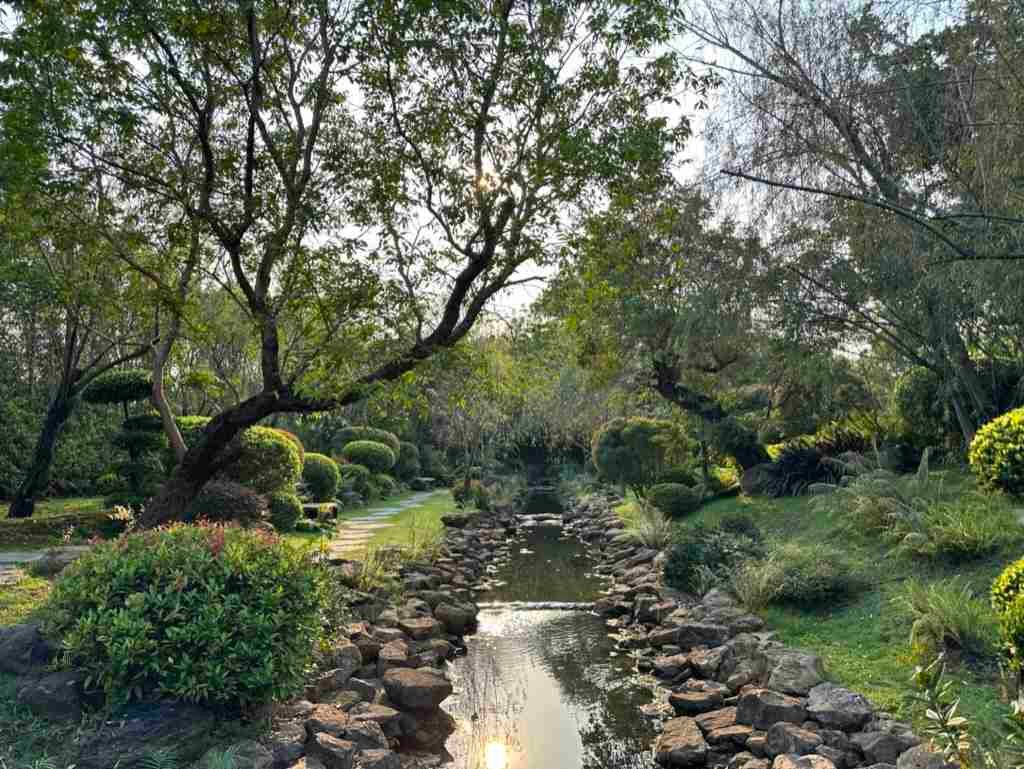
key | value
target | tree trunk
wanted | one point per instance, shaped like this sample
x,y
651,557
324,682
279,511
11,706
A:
x,y
38,475
202,462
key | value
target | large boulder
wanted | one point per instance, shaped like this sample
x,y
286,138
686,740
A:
x,y
794,671
426,729
23,649
131,737
920,757
884,748
55,696
692,703
333,752
837,707
692,634
416,689
792,739
378,759
457,618
681,744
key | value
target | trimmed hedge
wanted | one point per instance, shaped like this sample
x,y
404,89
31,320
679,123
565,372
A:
x,y
228,501
357,478
285,510
384,484
349,435
997,453
269,461
119,386
321,476
674,499
631,451
377,457
294,439
206,614
408,465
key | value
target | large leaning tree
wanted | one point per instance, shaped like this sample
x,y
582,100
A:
x,y
370,174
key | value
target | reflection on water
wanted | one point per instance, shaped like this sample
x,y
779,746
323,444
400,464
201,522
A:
x,y
540,689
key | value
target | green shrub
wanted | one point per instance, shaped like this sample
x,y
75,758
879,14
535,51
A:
x,y
997,453
356,478
1008,586
384,484
321,476
920,405
295,440
148,422
1011,629
814,576
674,499
119,386
371,454
632,451
268,461
191,429
652,529
680,474
700,554
206,614
474,493
285,510
947,615
228,501
756,583
408,464
969,528
741,525
797,467
349,435
138,441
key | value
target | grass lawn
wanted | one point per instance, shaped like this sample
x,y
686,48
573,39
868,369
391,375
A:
x,y
20,601
418,524
865,642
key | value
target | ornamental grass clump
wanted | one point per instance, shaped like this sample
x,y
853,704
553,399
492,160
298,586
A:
x,y
203,613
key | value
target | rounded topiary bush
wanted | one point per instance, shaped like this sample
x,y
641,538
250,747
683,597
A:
x,y
357,478
228,501
679,474
408,464
1008,586
377,457
674,499
632,451
321,476
269,461
294,439
206,614
285,510
349,435
997,453
384,484
119,386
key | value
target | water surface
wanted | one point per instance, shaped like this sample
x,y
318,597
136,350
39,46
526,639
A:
x,y
539,688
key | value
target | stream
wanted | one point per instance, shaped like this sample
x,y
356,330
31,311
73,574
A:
x,y
541,686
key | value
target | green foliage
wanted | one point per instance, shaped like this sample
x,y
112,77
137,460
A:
x,y
674,499
796,468
268,461
148,422
356,478
408,464
920,406
756,583
1007,595
471,493
815,576
700,555
349,435
947,616
295,440
653,528
997,453
1008,586
968,528
632,451
383,484
378,457
119,386
228,501
285,510
679,474
321,476
137,441
203,613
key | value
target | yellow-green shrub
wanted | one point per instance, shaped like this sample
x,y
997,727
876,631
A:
x,y
269,461
997,453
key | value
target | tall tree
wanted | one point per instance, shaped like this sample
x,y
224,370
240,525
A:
x,y
457,132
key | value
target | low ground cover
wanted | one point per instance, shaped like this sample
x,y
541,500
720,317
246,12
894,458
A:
x,y
865,638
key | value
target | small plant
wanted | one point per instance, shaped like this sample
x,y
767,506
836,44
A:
x,y
221,759
997,453
814,575
653,528
972,527
700,555
948,730
756,583
674,499
947,616
164,758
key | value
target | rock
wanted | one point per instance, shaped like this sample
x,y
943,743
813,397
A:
x,y
392,655
681,744
377,759
802,762
669,667
370,689
55,696
717,663
790,738
731,737
694,703
247,754
326,719
365,735
883,748
920,757
416,689
794,671
346,657
457,619
716,719
692,634
23,649
837,707
334,753
343,700
762,708
664,636
139,730
420,628
382,715
333,680
287,743
426,729
308,762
